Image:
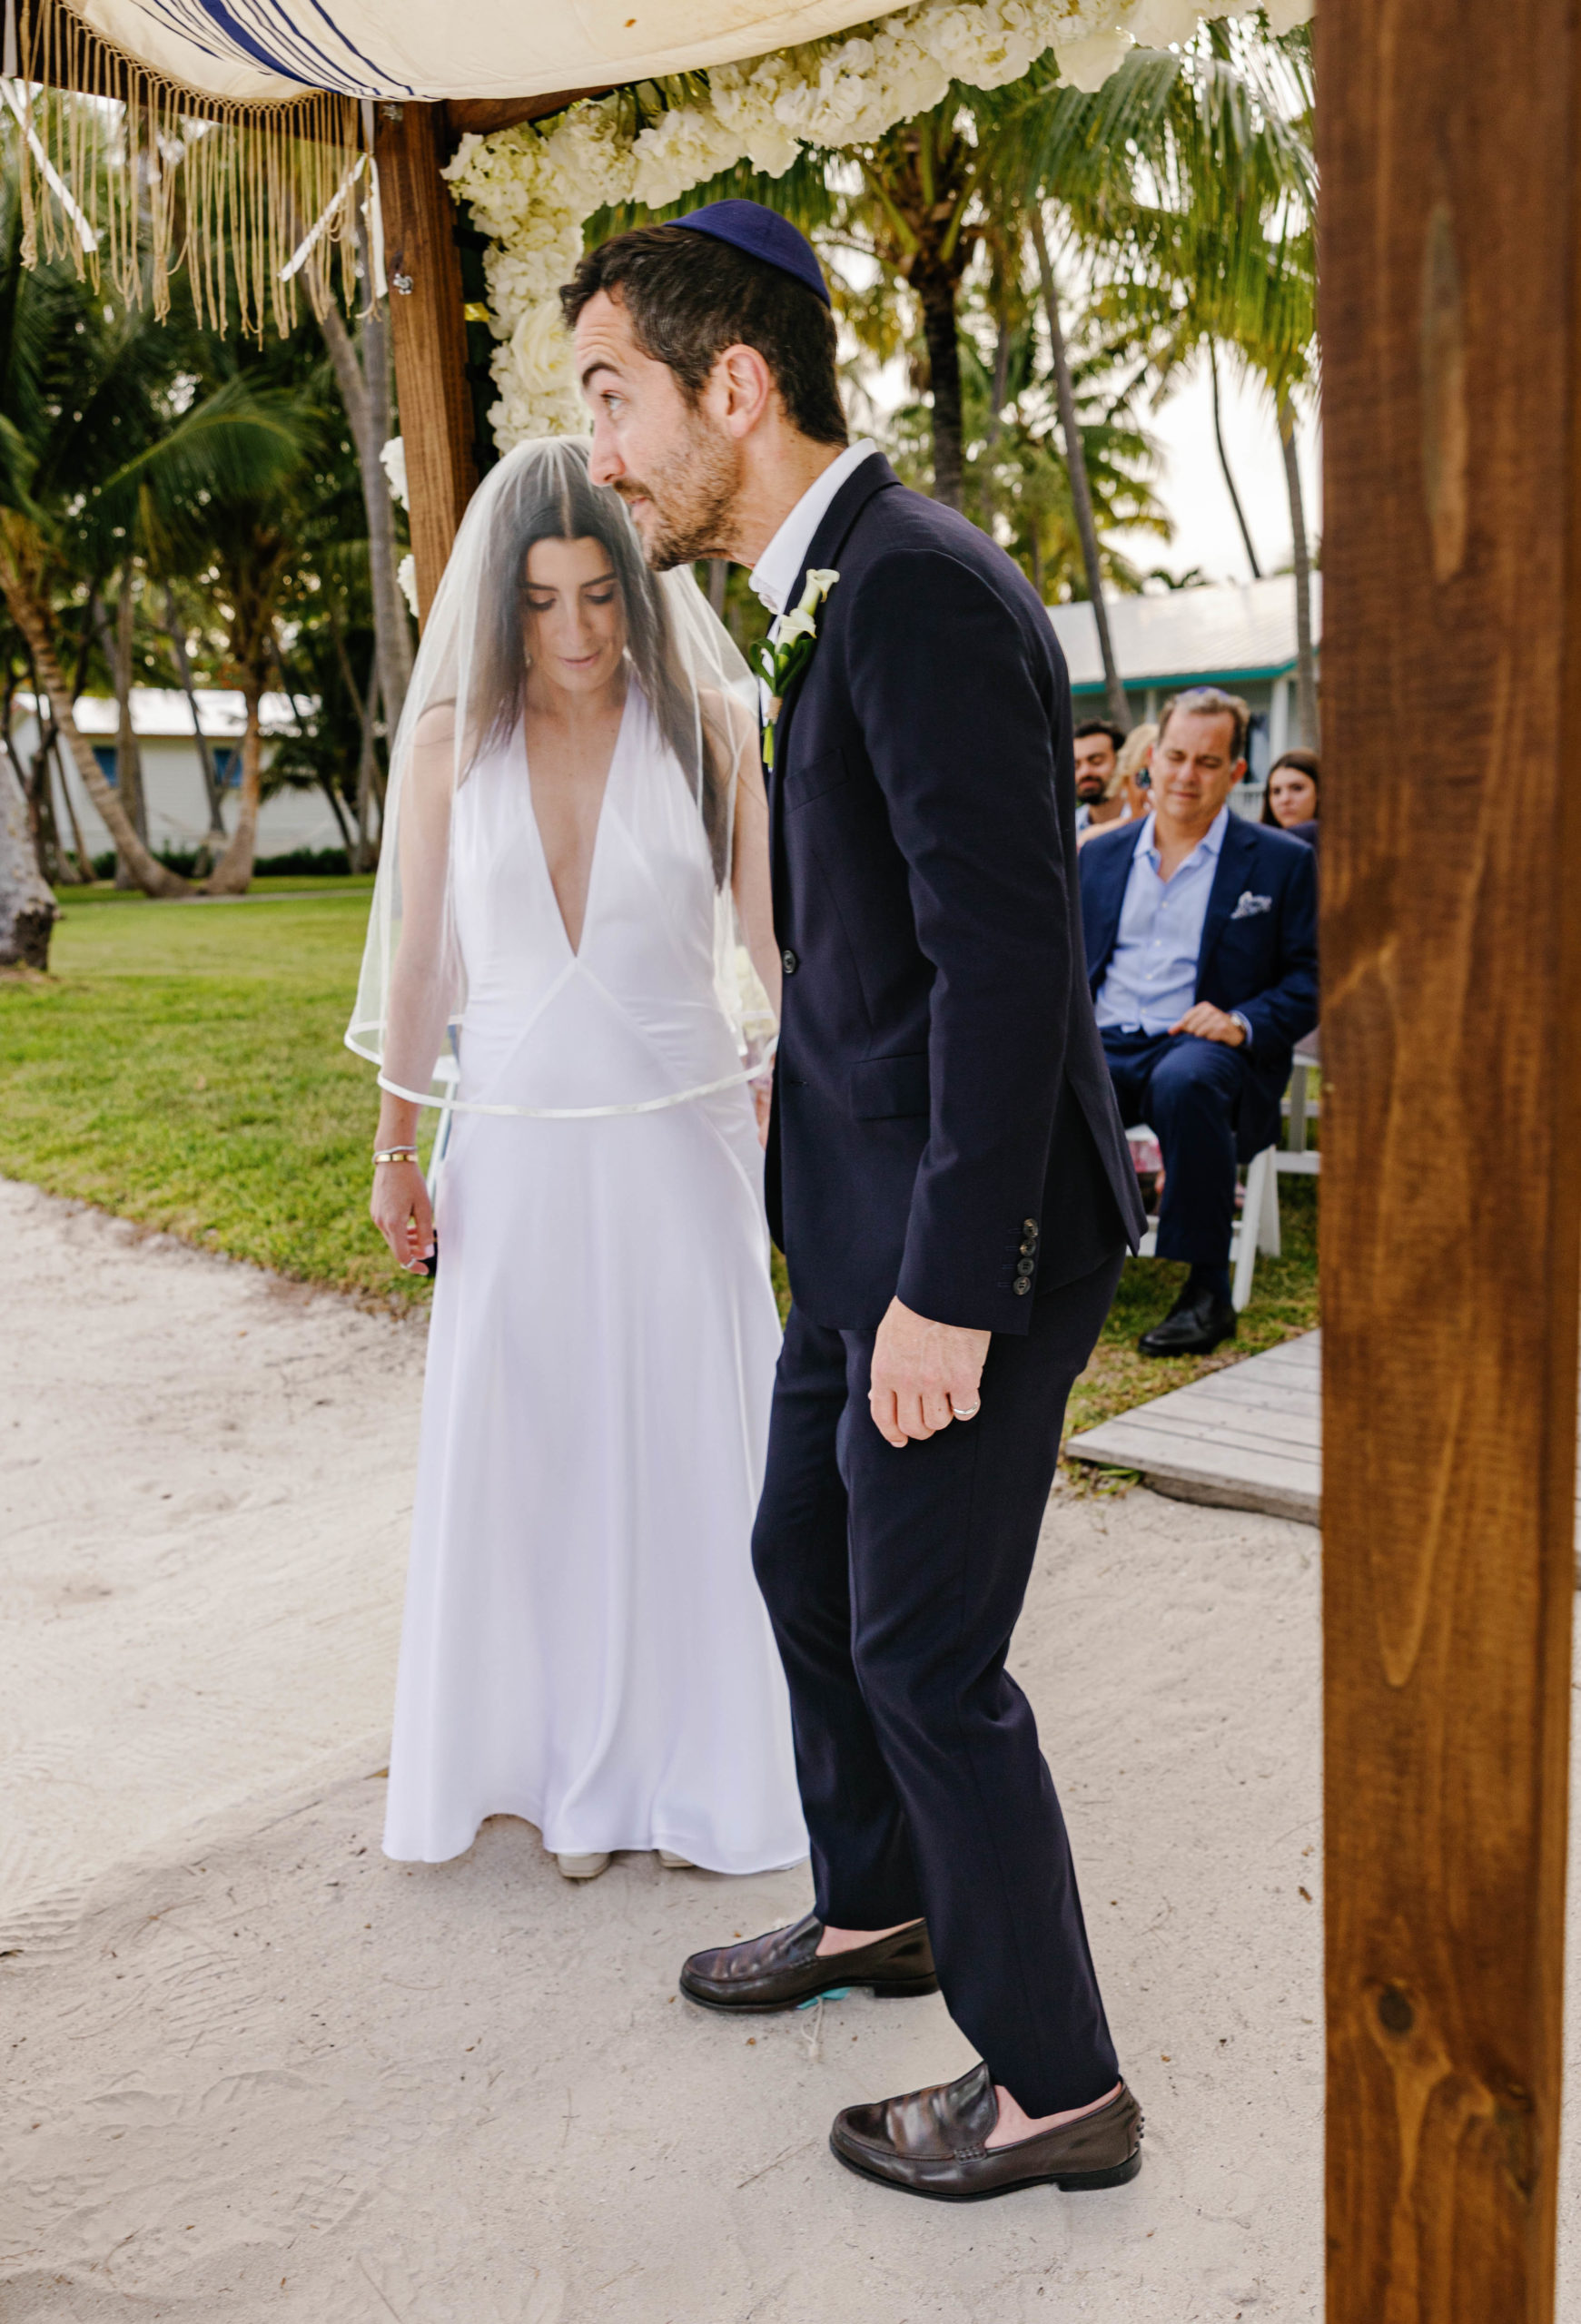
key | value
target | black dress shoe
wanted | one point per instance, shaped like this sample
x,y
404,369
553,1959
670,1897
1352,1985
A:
x,y
936,2143
784,1969
1194,1326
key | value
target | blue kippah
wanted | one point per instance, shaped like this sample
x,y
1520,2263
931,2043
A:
x,y
761,233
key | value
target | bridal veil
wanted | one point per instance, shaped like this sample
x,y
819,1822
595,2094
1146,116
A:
x,y
464,712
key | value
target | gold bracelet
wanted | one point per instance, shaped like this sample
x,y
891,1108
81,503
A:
x,y
394,1154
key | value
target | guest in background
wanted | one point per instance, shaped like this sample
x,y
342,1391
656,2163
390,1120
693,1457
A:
x,y
1291,801
1128,785
1098,746
1201,930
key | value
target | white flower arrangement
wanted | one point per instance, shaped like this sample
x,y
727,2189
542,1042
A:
x,y
532,191
392,460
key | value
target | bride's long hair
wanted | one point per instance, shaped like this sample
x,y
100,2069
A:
x,y
552,496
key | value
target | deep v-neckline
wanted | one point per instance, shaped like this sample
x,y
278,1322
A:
x,y
574,951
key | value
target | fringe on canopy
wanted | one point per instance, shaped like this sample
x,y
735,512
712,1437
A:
x,y
133,178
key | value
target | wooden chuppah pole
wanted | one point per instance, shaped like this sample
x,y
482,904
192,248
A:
x,y
428,330
1451,313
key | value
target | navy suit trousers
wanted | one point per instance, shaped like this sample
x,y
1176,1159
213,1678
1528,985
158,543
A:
x,y
894,1579
1187,1091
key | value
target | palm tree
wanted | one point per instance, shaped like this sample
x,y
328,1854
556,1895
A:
x,y
1076,463
1189,184
362,373
98,463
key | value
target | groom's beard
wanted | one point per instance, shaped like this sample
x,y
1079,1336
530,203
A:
x,y
691,497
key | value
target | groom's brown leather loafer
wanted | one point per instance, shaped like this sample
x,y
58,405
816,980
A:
x,y
936,2143
784,1969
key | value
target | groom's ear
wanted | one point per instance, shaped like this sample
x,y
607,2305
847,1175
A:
x,y
741,393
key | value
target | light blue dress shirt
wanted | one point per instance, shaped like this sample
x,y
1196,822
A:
x,y
1151,978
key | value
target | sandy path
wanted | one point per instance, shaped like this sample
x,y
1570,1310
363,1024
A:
x,y
262,2072
205,1475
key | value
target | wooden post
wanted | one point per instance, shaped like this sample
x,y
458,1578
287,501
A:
x,y
428,332
1451,312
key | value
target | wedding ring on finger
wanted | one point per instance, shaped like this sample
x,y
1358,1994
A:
x,y
971,1410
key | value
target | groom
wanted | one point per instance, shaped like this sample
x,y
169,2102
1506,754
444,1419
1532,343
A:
x,y
947,1176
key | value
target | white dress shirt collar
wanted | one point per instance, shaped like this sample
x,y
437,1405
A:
x,y
1210,843
775,577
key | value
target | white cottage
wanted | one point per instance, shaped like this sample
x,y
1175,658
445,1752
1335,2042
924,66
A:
x,y
173,782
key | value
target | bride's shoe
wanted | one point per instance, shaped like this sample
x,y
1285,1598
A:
x,y
673,1862
582,1867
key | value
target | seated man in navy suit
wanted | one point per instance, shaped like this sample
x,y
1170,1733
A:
x,y
1201,936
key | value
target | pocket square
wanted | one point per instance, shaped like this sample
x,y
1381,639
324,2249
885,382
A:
x,y
1249,905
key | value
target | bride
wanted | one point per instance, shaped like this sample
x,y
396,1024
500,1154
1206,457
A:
x,y
574,873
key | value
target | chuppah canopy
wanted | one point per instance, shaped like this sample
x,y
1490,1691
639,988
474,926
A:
x,y
296,84
267,52
264,52
254,142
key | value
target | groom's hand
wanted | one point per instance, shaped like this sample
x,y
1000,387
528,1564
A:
x,y
924,1376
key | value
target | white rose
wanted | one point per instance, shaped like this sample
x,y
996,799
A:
x,y
541,347
392,460
1087,62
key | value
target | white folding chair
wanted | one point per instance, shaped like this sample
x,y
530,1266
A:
x,y
1302,1106
1257,1227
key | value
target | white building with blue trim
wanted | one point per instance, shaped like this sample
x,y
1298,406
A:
x,y
1238,636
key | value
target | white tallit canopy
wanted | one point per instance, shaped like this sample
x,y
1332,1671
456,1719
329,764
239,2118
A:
x,y
259,51
272,50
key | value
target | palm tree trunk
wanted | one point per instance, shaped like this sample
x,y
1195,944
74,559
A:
x,y
213,845
362,374
1076,468
43,830
27,909
935,288
1306,663
1224,465
153,878
232,874
995,427
365,849
128,758
48,753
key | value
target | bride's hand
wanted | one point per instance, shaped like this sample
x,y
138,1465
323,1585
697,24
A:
x,y
401,1211
763,1099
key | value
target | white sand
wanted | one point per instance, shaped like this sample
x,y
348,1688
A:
x,y
255,2070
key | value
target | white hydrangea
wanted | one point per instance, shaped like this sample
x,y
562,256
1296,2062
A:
x,y
532,190
686,145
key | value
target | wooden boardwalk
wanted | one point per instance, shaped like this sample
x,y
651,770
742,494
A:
x,y
1247,1437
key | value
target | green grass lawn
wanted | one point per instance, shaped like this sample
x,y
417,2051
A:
x,y
183,1066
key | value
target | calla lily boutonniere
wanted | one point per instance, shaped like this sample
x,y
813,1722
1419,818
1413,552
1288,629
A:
x,y
791,651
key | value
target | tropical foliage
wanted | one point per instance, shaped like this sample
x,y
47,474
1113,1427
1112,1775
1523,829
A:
x,y
186,510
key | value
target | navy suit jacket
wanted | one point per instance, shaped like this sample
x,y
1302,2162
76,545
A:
x,y
942,1108
1258,952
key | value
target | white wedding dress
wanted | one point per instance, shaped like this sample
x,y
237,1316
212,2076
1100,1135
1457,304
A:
x,y
584,1646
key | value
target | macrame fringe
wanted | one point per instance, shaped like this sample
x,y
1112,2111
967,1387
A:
x,y
158,181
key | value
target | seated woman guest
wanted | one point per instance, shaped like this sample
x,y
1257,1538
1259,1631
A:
x,y
1291,801
574,856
